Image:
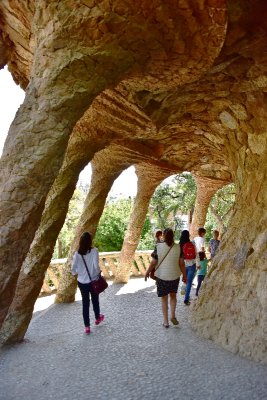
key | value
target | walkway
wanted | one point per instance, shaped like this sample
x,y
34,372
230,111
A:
x,y
130,356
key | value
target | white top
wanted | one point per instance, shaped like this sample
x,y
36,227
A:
x,y
199,242
169,269
92,262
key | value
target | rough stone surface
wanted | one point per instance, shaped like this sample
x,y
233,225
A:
x,y
181,84
206,188
129,356
149,177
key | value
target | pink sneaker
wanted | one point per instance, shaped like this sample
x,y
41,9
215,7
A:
x,y
87,330
100,319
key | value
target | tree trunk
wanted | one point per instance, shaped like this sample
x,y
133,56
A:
x,y
59,248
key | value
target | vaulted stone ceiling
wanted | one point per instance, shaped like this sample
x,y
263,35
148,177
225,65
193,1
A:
x,y
181,84
197,77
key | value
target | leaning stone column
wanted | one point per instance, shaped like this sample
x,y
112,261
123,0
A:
x,y
206,188
67,75
107,165
232,305
149,177
32,273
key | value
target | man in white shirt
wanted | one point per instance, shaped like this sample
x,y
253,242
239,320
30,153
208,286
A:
x,y
199,240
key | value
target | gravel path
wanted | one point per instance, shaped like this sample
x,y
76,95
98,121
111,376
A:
x,y
129,356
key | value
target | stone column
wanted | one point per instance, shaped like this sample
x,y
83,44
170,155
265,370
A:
x,y
33,270
149,177
232,305
69,70
107,165
206,188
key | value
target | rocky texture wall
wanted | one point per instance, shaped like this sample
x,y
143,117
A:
x,y
181,84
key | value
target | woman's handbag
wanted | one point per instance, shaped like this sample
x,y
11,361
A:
x,y
152,273
97,286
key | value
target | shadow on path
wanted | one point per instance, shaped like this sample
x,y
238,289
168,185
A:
x,y
129,356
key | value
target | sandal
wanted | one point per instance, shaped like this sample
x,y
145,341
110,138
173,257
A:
x,y
175,321
166,325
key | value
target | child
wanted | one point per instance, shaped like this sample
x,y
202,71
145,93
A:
x,y
214,243
200,240
159,237
202,270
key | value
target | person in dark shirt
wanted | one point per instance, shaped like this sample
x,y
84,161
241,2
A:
x,y
214,243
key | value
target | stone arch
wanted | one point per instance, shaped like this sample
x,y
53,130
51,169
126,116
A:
x,y
187,89
107,165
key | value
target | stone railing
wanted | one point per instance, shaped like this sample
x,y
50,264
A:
x,y
108,263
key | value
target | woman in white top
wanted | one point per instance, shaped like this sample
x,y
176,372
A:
x,y
170,267
87,256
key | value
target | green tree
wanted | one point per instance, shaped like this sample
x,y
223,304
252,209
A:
x,y
220,210
147,237
172,199
113,224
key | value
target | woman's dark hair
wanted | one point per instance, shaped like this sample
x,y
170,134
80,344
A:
x,y
202,255
168,236
184,238
158,234
85,243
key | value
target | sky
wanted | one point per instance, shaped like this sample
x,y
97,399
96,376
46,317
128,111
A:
x,y
12,96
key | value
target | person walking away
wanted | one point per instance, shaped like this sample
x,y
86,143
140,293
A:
x,y
191,261
202,270
169,266
86,254
200,240
214,243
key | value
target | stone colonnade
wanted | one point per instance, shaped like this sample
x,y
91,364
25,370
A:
x,y
198,71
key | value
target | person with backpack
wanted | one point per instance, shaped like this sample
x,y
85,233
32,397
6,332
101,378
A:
x,y
191,260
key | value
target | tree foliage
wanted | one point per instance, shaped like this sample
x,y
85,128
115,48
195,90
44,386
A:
x,y
220,210
112,225
172,199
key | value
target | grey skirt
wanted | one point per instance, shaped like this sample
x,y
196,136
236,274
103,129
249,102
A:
x,y
166,287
